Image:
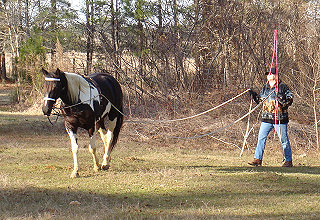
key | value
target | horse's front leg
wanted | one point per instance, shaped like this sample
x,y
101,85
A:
x,y
93,150
74,148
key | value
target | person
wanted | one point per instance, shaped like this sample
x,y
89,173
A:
x,y
285,99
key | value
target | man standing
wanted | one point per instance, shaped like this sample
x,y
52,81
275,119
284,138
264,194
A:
x,y
280,123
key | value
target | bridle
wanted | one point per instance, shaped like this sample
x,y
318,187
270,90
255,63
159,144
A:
x,y
49,99
50,79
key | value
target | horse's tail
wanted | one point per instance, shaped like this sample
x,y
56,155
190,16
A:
x,y
118,127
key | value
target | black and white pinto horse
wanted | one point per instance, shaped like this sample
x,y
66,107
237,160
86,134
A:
x,y
93,103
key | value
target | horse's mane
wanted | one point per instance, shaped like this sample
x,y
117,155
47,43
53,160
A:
x,y
76,85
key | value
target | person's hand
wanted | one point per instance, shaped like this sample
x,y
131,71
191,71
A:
x,y
252,93
281,99
284,101
254,96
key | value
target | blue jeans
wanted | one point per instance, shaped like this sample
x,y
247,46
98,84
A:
x,y
265,129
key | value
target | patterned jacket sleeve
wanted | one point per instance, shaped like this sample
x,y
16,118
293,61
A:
x,y
285,96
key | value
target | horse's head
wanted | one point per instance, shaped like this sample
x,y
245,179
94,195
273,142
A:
x,y
54,87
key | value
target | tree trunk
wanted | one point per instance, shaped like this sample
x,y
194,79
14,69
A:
x,y
160,27
178,53
141,48
315,114
27,19
90,34
3,66
114,35
53,28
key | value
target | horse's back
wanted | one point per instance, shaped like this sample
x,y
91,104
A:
x,y
108,86
104,78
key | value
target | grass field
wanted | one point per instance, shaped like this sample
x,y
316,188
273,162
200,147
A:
x,y
147,180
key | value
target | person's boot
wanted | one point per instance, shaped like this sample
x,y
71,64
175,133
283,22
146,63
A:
x,y
287,164
255,162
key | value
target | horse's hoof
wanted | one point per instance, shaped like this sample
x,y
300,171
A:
x,y
105,167
74,175
96,169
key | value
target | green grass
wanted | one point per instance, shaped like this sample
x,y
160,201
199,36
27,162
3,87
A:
x,y
146,180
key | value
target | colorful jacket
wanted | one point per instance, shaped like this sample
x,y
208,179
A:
x,y
285,99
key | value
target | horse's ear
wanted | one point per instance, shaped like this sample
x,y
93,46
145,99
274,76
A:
x,y
45,72
59,72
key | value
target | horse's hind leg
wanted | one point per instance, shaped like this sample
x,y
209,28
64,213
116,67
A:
x,y
107,136
93,150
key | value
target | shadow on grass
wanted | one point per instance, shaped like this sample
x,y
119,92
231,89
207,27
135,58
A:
x,y
68,204
264,169
297,169
14,124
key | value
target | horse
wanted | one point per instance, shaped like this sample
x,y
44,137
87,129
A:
x,y
93,103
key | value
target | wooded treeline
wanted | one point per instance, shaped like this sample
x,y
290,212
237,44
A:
x,y
162,48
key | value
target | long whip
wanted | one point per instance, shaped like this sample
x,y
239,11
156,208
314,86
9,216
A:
x,y
275,56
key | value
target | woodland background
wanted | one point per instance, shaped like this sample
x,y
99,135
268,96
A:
x,y
172,58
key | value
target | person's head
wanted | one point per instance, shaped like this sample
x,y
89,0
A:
x,y
272,75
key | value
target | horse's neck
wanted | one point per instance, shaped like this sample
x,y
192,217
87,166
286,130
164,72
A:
x,y
80,91
65,97
75,85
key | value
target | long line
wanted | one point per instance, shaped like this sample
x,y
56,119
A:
x,y
193,116
227,126
164,121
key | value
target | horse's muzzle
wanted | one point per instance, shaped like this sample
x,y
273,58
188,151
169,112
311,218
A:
x,y
46,109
